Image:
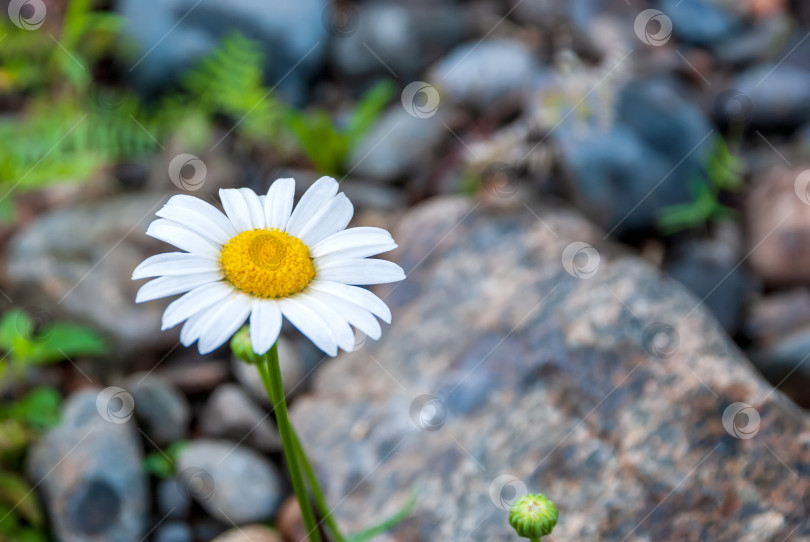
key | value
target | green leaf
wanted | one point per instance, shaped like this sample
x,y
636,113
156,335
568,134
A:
x,y
15,491
386,524
368,110
40,409
161,464
66,341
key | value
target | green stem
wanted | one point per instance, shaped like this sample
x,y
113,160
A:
x,y
271,377
317,493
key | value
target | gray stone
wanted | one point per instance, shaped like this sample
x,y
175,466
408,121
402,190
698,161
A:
x,y
293,373
229,413
88,469
783,364
779,94
234,484
398,144
174,531
624,173
517,361
480,73
173,501
164,411
777,239
76,263
171,35
711,270
698,22
763,40
388,38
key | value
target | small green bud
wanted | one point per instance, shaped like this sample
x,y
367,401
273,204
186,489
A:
x,y
533,516
242,348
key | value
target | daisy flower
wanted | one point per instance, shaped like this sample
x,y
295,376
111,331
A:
x,y
263,259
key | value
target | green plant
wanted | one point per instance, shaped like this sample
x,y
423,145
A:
x,y
21,422
328,146
229,82
26,342
161,463
722,173
34,59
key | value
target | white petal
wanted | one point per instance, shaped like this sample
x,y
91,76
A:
x,y
310,324
223,320
354,314
191,329
265,324
199,222
204,208
279,203
193,302
341,329
255,208
236,208
353,243
313,199
175,263
360,271
173,285
359,296
181,237
331,218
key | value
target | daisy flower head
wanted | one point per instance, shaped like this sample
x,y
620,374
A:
x,y
263,259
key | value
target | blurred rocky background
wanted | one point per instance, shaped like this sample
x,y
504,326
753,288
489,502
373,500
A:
x,y
603,212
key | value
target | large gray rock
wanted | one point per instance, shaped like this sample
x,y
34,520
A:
x,y
395,38
230,413
89,470
234,484
526,353
76,263
480,73
161,407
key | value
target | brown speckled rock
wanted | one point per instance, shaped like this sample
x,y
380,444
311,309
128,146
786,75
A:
x,y
504,372
778,219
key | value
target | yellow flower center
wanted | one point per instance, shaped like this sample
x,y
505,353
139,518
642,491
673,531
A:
x,y
267,263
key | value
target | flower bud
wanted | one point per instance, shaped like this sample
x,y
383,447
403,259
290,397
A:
x,y
533,516
242,348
